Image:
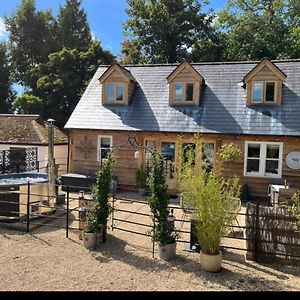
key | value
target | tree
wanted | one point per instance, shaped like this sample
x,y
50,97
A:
x,y
28,104
6,92
260,28
72,28
163,31
30,40
63,78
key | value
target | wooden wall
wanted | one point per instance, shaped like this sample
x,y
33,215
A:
x,y
84,160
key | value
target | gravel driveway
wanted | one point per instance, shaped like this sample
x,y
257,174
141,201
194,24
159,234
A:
x,y
45,260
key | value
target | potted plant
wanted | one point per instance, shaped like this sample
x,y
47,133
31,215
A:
x,y
163,232
97,217
141,180
214,202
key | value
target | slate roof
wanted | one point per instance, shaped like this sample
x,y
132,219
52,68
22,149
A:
x,y
27,130
222,107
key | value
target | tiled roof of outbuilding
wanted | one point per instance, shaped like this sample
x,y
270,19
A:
x,y
27,130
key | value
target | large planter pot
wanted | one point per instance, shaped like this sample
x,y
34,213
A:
x,y
89,240
211,263
167,252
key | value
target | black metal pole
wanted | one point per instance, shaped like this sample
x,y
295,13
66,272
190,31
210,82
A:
x,y
112,214
67,216
68,155
28,204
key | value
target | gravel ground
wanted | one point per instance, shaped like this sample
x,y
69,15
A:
x,y
45,260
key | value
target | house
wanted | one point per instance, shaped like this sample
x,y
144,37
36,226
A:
x,y
255,105
26,138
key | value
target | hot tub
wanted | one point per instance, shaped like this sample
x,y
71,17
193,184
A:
x,y
14,194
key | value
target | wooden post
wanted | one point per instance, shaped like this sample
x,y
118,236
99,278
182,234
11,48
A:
x,y
67,216
256,250
28,207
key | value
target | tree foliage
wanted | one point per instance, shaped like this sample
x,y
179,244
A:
x,y
98,215
6,92
30,39
260,28
162,31
73,31
162,232
214,201
53,58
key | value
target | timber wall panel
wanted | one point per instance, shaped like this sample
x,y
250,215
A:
x,y
126,163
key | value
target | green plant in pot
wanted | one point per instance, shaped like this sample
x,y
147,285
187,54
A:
x,y
163,232
141,180
97,217
214,202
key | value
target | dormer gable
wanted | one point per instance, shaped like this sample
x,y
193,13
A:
x,y
264,84
118,85
185,85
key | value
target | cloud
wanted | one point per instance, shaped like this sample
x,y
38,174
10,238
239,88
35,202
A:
x,y
3,32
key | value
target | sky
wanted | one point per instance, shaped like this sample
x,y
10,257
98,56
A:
x,y
105,17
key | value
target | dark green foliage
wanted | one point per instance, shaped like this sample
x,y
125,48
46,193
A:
x,y
141,177
54,59
163,232
73,31
28,104
261,28
163,31
30,39
6,92
245,193
98,215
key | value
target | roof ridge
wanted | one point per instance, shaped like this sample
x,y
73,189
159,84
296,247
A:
x,y
206,63
39,134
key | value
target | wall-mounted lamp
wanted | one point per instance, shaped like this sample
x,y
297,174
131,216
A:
x,y
137,154
81,194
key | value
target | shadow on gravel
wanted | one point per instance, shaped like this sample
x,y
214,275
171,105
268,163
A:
x,y
118,249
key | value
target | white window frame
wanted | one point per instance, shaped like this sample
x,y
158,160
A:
x,y
264,91
99,149
262,160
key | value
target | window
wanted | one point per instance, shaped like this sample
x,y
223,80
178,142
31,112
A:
x,y
178,91
257,92
189,92
115,92
263,159
104,146
263,91
184,91
110,92
120,92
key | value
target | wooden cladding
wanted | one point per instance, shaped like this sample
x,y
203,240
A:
x,y
126,164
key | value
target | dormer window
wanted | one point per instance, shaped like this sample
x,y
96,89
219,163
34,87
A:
x,y
184,91
184,85
263,91
118,85
264,84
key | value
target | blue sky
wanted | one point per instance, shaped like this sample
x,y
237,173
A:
x,y
105,17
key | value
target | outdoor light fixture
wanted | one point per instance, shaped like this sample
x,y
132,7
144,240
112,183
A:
x,y
81,194
137,154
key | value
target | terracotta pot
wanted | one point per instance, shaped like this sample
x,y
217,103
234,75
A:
x,y
167,252
211,262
